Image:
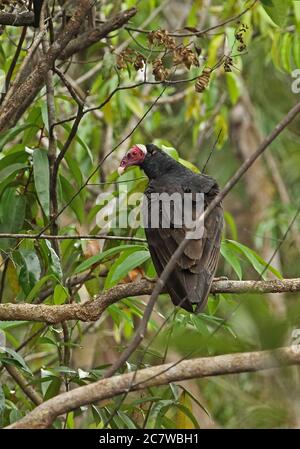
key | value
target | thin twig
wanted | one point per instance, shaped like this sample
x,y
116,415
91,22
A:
x,y
52,145
14,62
71,237
23,384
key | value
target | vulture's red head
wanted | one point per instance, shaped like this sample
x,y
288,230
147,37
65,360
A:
x,y
152,160
135,156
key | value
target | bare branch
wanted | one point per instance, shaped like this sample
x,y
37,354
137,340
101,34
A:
x,y
52,142
94,35
23,384
71,237
17,20
200,32
37,76
43,415
92,310
63,48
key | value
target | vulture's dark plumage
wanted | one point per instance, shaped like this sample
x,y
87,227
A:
x,y
191,279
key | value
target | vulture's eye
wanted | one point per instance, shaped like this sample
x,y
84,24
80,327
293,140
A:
x,y
134,153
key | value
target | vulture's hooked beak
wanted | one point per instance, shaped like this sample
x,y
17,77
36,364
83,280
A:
x,y
123,165
135,156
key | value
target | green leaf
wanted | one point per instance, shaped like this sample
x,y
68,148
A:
x,y
124,265
53,388
9,173
18,157
296,49
41,178
9,135
96,415
129,424
277,10
231,223
76,203
104,255
50,383
234,87
60,294
37,287
12,215
55,266
15,356
256,261
134,104
286,52
231,258
30,270
189,165
2,400
81,142
171,151
185,418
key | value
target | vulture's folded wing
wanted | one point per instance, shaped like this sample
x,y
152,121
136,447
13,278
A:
x,y
191,279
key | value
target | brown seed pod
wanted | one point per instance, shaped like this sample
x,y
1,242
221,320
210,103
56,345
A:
x,y
124,57
228,63
242,47
159,71
203,80
186,56
161,37
139,62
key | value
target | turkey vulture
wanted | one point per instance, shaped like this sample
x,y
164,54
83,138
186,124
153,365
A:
x,y
191,279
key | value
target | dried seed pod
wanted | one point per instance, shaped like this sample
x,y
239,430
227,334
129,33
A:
x,y
185,56
139,62
240,33
124,57
242,47
159,71
228,63
203,80
162,37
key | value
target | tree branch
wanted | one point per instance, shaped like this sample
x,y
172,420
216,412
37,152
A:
x,y
17,20
23,384
37,76
15,105
70,237
92,310
43,415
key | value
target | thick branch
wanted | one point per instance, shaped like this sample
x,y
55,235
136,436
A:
x,y
92,310
37,76
94,35
15,107
17,20
44,415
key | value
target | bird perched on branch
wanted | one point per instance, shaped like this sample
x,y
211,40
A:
x,y
190,281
